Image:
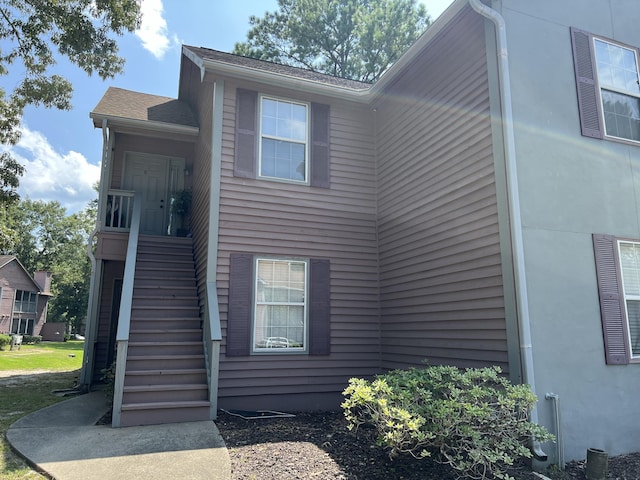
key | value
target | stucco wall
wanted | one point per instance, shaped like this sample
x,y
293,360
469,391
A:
x,y
570,188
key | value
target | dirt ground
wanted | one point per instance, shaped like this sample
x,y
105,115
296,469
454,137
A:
x,y
319,446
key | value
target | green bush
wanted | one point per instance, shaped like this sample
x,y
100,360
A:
x,y
474,419
35,339
4,340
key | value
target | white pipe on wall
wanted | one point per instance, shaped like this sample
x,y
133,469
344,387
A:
x,y
513,194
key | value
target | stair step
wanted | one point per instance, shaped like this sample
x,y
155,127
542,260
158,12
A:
x,y
165,335
145,406
142,324
168,412
165,376
165,348
165,393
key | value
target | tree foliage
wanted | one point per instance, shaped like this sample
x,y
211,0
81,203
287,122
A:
x,y
356,39
46,238
33,33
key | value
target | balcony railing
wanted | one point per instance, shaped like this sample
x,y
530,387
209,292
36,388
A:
x,y
118,210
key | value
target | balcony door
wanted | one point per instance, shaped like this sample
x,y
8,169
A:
x,y
155,177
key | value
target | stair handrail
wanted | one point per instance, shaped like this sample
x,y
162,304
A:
x,y
124,315
213,337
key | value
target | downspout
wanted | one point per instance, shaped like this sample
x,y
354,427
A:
x,y
508,135
213,310
96,269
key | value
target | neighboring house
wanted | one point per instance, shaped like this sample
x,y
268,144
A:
x,y
23,298
447,213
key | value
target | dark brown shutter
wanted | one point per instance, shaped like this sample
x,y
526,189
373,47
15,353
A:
x,y
319,307
584,66
611,300
240,304
320,164
246,133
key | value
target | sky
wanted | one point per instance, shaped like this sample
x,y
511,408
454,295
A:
x,y
61,150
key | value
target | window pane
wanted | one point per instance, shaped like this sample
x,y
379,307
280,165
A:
x,y
630,262
622,115
283,159
616,67
633,314
280,310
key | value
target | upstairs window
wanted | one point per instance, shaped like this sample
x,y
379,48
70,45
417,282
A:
x,y
607,85
25,302
617,69
283,139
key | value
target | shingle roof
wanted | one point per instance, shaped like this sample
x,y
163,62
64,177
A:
x,y
252,63
4,259
118,102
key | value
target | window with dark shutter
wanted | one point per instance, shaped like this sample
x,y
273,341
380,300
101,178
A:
x,y
240,304
246,125
283,150
608,86
270,311
319,308
614,324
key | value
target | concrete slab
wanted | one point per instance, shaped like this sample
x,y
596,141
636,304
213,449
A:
x,y
64,442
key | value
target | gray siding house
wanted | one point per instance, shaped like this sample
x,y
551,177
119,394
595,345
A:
x,y
477,206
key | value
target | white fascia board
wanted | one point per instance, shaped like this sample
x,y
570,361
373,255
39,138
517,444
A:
x,y
146,124
284,80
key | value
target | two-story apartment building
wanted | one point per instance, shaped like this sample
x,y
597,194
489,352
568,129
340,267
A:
x,y
478,205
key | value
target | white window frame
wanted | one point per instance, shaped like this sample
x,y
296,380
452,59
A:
x,y
636,355
603,86
262,135
279,346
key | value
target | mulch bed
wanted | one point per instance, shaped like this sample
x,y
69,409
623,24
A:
x,y
319,446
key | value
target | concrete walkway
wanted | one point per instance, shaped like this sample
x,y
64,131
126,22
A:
x,y
63,441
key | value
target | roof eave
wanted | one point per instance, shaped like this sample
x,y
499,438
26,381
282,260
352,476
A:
x,y
284,80
365,95
150,125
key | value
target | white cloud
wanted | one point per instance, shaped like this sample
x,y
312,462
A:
x,y
50,175
153,31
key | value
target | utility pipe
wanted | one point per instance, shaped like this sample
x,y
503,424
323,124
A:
x,y
513,194
555,398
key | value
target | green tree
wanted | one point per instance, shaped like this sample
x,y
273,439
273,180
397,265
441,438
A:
x,y
49,239
33,33
356,39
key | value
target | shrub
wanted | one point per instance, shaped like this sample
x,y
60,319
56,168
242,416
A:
x,y
35,339
4,340
474,419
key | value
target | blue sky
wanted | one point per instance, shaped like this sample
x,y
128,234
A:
x,y
61,149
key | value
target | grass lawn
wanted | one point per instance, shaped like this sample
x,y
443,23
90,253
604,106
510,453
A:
x,y
22,395
54,356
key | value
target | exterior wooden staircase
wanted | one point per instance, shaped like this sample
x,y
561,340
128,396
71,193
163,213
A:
x,y
165,376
